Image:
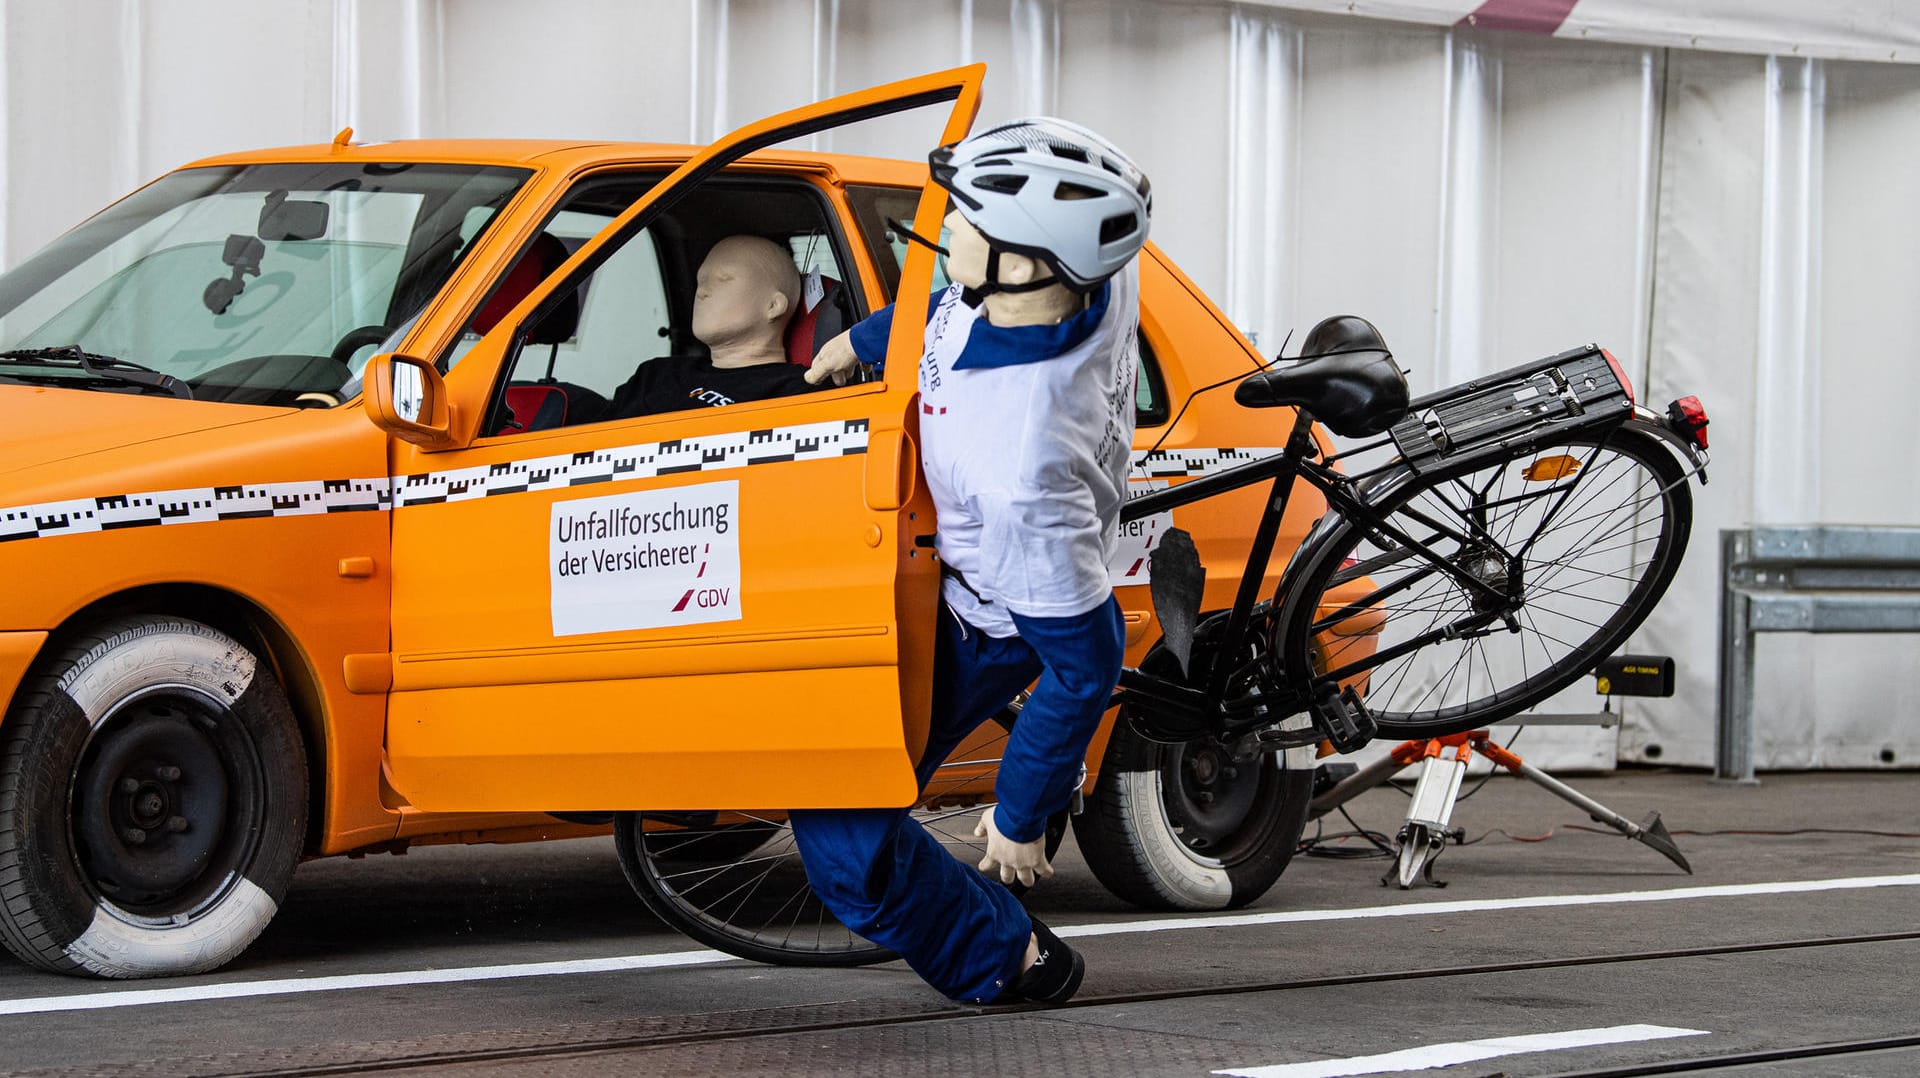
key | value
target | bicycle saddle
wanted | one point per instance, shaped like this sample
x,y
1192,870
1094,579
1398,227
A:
x,y
1350,382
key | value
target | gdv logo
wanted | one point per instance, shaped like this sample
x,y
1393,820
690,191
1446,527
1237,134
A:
x,y
705,599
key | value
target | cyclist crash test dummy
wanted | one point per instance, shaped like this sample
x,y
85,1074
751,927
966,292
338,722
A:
x,y
1027,406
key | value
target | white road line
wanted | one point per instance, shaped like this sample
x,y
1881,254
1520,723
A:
x,y
1429,1056
295,985
292,985
1425,909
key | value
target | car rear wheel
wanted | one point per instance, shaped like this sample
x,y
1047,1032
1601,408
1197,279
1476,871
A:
x,y
153,802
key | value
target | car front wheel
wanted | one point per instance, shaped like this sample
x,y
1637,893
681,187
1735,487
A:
x,y
153,793
1196,826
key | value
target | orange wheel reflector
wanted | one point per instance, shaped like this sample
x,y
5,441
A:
x,y
1548,468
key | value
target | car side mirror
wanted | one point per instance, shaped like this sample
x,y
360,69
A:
x,y
407,398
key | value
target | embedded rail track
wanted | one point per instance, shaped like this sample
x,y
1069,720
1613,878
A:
x,y
533,1046
1731,1060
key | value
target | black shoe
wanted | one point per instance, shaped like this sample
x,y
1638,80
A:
x,y
1054,977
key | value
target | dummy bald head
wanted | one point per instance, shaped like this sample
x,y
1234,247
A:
x,y
747,288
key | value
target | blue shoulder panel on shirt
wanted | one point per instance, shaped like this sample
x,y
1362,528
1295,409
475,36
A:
x,y
1007,346
869,335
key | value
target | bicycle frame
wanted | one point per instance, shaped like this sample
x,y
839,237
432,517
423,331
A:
x,y
1207,708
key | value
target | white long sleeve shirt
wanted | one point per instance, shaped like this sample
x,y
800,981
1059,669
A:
x,y
1026,434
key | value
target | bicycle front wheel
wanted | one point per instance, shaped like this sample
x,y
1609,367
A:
x,y
1485,589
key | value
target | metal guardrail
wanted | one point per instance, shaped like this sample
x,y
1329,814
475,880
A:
x,y
1803,580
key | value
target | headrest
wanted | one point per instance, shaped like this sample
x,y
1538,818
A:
x,y
805,327
541,258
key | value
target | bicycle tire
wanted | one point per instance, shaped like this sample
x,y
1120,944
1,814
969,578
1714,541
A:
x,y
756,904
1609,562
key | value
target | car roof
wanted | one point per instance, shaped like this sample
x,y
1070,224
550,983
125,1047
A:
x,y
566,156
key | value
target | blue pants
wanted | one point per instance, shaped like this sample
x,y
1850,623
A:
x,y
886,878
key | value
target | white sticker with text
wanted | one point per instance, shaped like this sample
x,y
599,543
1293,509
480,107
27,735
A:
x,y
1128,565
646,559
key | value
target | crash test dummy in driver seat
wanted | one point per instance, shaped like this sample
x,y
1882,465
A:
x,y
1027,379
746,289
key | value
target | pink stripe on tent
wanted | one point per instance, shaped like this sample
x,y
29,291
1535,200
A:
x,y
1526,16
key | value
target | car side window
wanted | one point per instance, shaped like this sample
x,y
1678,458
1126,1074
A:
x,y
589,339
882,212
582,362
1150,391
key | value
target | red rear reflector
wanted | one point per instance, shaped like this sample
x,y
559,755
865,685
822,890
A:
x,y
1620,373
1689,417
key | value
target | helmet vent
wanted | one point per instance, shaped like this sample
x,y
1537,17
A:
x,y
1006,183
1071,153
1067,191
1118,227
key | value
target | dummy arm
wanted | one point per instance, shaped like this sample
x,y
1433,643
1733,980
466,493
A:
x,y
837,360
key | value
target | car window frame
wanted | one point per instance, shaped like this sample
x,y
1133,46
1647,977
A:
x,y
676,272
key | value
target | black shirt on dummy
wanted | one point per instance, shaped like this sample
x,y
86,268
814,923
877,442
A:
x,y
676,383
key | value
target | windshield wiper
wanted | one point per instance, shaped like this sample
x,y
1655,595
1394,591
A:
x,y
108,368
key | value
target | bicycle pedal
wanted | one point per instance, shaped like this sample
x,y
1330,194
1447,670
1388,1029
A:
x,y
1275,739
1343,718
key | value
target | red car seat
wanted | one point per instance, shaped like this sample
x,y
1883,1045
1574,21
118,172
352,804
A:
x,y
814,326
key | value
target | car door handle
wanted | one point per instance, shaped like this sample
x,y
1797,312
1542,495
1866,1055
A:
x,y
892,469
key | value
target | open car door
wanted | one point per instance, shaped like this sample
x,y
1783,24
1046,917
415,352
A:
x,y
719,607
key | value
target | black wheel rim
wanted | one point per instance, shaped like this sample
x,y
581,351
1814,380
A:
x,y
1220,809
166,805
1602,556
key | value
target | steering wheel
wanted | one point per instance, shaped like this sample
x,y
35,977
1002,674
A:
x,y
357,339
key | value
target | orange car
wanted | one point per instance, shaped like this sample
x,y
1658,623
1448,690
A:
x,y
317,544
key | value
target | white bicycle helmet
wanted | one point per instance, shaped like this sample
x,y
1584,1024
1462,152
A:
x,y
1050,190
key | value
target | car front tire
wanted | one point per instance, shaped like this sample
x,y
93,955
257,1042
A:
x,y
1189,827
153,797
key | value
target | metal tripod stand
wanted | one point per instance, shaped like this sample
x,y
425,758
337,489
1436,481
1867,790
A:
x,y
1426,830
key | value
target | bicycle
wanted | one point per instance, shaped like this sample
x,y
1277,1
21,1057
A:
x,y
1525,524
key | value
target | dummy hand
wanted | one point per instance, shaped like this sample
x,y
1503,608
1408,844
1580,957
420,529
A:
x,y
1023,861
836,361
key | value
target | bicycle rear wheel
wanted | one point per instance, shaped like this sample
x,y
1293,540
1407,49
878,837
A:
x,y
734,880
1570,544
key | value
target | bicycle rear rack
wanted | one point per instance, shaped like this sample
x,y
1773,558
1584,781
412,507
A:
x,y
1502,413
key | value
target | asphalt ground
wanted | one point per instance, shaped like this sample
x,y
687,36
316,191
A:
x,y
1578,953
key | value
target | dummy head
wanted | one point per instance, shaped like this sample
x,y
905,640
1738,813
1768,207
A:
x,y
1051,189
967,266
1064,208
747,286
967,257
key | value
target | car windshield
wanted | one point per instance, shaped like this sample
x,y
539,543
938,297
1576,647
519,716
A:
x,y
258,284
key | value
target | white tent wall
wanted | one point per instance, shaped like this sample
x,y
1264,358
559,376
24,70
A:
x,y
1740,226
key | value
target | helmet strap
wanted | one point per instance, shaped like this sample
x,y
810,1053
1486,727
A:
x,y
993,284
